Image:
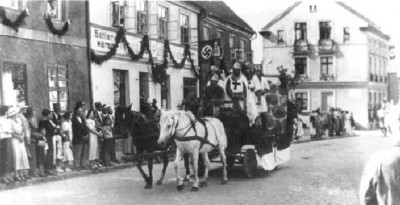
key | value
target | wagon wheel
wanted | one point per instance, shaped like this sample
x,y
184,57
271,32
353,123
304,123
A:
x,y
250,163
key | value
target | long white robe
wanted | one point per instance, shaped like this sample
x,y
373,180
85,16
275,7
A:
x,y
252,111
261,85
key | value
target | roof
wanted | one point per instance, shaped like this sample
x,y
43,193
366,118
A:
x,y
280,16
223,12
372,27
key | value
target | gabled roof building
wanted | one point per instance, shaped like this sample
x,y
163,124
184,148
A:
x,y
341,56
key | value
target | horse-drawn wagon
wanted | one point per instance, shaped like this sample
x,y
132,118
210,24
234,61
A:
x,y
264,143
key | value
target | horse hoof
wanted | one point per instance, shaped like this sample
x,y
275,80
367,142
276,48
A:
x,y
203,184
186,179
148,186
223,182
180,187
194,189
159,182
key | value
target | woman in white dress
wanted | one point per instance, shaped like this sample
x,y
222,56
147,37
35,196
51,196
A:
x,y
93,141
66,132
21,157
347,124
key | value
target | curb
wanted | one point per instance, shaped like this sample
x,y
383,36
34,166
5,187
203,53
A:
x,y
63,176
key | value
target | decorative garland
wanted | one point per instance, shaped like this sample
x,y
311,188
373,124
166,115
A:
x,y
55,31
17,23
143,45
100,59
158,70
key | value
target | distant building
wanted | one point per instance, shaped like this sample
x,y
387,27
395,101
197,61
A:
x,y
37,67
341,55
217,21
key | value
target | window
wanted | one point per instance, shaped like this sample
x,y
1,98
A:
x,y
232,41
302,100
141,7
300,31
118,14
55,9
346,34
162,22
220,35
326,66
281,37
9,3
14,83
300,65
325,30
189,88
58,85
207,33
184,29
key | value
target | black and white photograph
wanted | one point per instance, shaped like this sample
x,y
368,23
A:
x,y
172,102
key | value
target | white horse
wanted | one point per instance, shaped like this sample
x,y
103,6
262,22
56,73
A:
x,y
191,136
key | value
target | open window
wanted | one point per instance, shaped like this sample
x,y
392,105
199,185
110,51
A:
x,y
300,31
117,13
56,9
325,30
142,16
184,22
301,99
162,22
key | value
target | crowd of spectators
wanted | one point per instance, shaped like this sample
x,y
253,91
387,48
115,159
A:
x,y
37,146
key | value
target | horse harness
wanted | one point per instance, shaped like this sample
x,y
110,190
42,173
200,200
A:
x,y
202,140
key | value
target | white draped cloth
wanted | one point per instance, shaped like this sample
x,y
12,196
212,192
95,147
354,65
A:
x,y
261,85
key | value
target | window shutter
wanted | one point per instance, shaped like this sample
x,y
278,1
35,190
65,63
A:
x,y
153,19
193,30
173,27
130,20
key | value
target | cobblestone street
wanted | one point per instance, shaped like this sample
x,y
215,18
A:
x,y
320,172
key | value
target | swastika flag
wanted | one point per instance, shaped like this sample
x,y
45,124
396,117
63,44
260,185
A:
x,y
205,51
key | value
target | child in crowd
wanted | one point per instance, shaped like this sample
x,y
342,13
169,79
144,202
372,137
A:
x,y
108,140
66,133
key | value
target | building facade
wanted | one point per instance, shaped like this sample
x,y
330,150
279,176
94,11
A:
x,y
121,81
341,56
37,67
232,35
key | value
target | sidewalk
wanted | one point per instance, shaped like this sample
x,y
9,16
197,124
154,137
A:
x,y
65,175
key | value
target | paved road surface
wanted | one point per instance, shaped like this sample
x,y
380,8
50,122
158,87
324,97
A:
x,y
320,172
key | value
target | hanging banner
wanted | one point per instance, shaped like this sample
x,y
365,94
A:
x,y
206,51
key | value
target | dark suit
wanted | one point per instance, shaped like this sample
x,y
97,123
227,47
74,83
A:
x,y
81,145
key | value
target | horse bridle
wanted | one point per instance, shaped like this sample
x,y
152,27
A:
x,y
183,138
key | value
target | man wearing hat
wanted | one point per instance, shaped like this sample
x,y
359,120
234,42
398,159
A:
x,y
81,137
214,95
156,110
236,87
98,117
57,139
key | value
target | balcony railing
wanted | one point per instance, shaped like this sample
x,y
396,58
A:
x,y
327,77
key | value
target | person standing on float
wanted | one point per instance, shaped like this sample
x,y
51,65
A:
x,y
236,87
